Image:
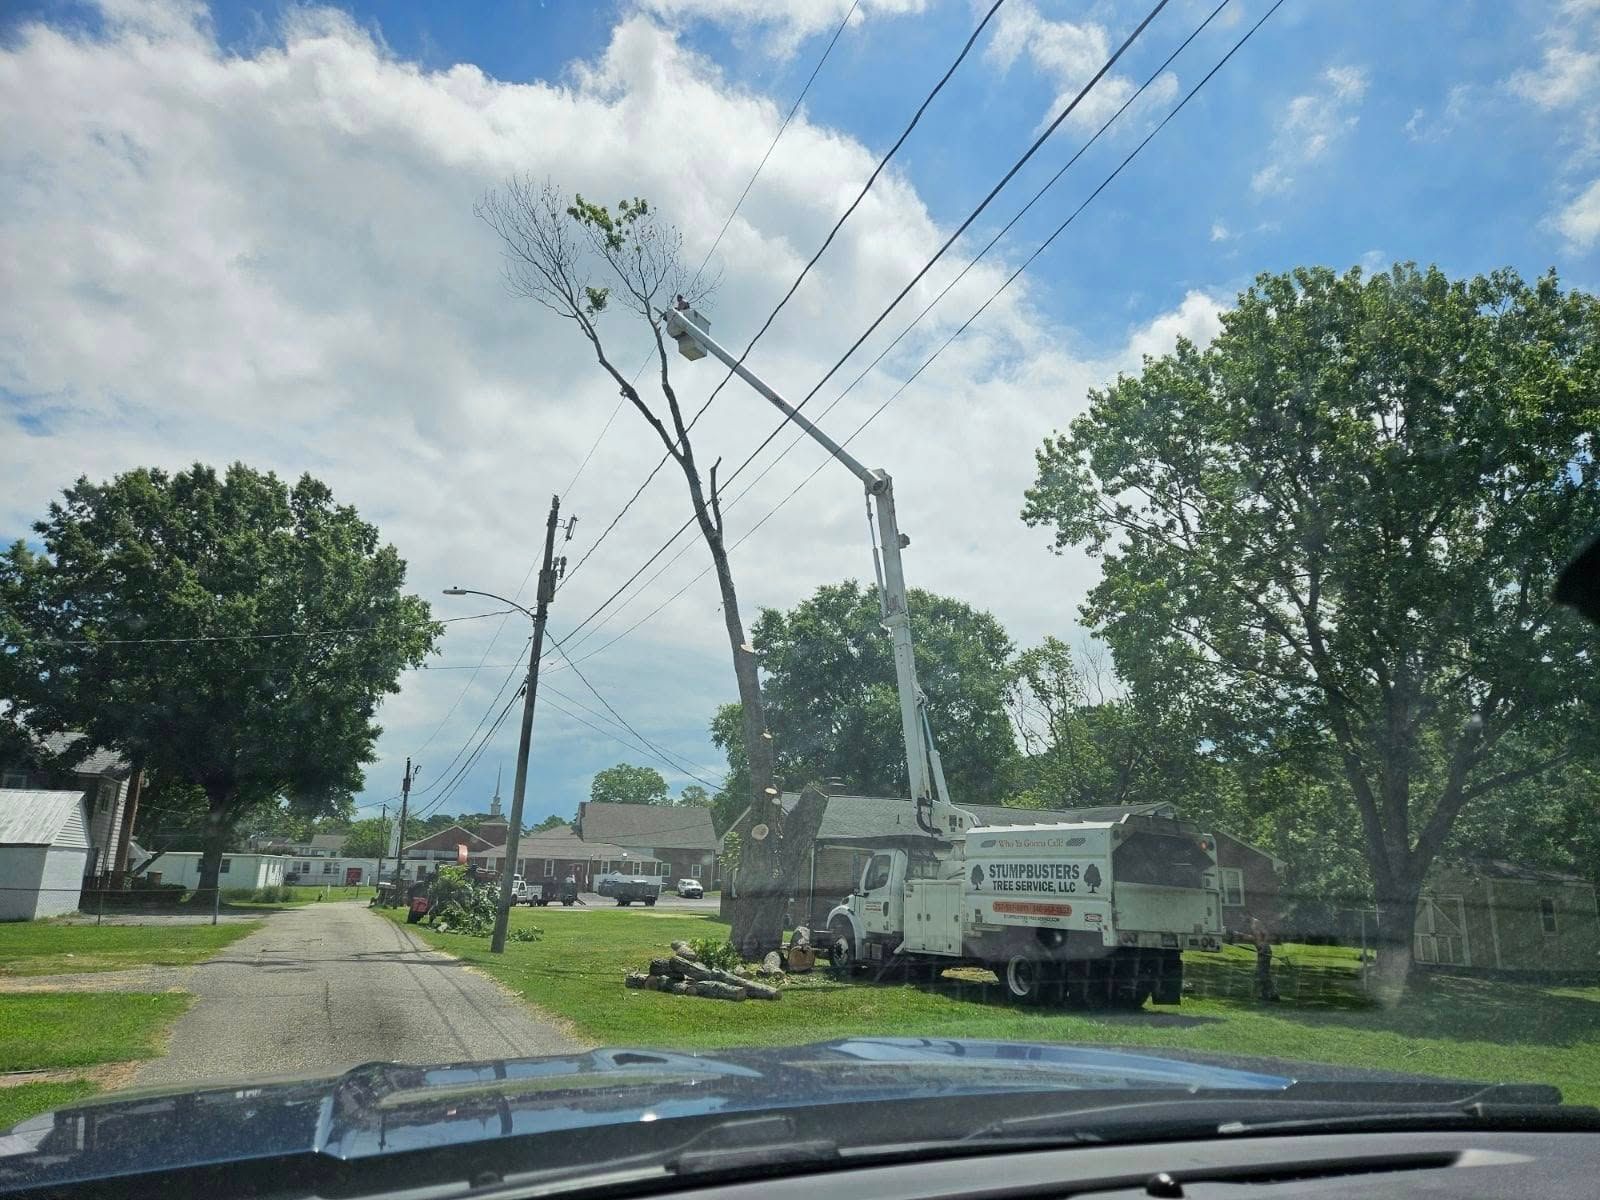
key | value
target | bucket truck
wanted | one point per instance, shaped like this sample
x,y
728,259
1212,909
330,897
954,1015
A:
x,y
1087,912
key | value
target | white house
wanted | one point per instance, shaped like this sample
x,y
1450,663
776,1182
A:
x,y
238,870
44,851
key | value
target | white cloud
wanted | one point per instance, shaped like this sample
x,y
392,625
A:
x,y
1219,232
1579,221
1567,76
1198,319
272,256
1310,126
1068,54
782,24
1424,127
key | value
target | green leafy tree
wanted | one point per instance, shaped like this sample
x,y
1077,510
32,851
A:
x,y
549,823
693,796
628,784
231,632
370,838
1335,531
834,709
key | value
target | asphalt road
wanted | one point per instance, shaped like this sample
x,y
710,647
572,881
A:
x,y
332,985
667,900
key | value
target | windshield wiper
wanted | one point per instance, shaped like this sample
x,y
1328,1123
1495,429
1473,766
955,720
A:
x,y
1531,1118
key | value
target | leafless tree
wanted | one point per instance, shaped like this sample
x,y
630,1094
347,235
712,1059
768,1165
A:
x,y
579,260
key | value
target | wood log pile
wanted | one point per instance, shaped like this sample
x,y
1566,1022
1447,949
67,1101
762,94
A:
x,y
683,974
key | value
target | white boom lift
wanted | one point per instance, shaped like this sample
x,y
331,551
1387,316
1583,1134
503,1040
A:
x,y
936,816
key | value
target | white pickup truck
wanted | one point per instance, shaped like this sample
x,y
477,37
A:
x,y
1095,912
526,892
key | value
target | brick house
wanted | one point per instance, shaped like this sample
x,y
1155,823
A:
x,y
681,840
550,855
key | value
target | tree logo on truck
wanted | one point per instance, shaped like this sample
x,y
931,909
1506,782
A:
x,y
1091,878
977,876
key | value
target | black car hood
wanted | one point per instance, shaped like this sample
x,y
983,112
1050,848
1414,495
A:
x,y
390,1109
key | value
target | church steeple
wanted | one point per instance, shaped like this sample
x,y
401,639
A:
x,y
494,805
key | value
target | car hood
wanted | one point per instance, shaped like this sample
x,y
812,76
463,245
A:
x,y
383,1109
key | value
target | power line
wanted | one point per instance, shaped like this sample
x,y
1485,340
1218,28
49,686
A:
x,y
623,721
806,270
1043,246
1039,141
504,683
455,782
618,738
717,241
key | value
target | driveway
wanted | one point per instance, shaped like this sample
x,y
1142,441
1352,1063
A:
x,y
329,986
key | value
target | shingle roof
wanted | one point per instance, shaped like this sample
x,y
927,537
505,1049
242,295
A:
x,y
95,762
329,841
30,817
561,842
647,826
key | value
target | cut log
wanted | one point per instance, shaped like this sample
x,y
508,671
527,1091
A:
x,y
661,966
683,949
759,991
802,959
688,968
771,963
635,979
681,987
718,991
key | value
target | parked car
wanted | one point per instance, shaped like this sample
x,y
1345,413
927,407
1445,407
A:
x,y
690,889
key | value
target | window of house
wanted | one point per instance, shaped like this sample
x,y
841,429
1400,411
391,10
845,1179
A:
x,y
1547,913
226,863
14,779
105,795
329,866
549,867
1232,887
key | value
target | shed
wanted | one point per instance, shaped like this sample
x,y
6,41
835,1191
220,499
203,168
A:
x,y
44,851
1491,915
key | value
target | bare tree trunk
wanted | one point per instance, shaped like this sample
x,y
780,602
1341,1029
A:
x,y
214,842
1397,919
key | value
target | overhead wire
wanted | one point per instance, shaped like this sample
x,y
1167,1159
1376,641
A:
x,y
1043,246
717,241
806,270
1060,117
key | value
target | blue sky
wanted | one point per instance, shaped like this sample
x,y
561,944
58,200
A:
x,y
261,246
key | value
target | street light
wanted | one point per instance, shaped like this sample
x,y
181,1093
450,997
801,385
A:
x,y
547,587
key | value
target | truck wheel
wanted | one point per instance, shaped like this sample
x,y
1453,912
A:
x,y
1023,978
650,902
621,903
841,950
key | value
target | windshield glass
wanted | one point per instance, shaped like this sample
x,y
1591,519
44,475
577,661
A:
x,y
676,527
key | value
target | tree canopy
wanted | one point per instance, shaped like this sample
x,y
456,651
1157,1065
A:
x,y
628,784
229,632
1332,535
832,703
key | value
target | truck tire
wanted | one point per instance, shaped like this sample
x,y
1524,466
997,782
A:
x,y
649,901
1023,978
622,902
841,950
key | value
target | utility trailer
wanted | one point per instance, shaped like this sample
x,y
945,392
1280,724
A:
x,y
1095,912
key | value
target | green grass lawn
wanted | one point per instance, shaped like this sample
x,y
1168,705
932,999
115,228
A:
x,y
296,894
28,1099
1490,1030
42,1031
50,948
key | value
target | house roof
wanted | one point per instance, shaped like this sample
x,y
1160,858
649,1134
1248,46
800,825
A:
x,y
640,826
561,842
31,817
1498,868
95,762
448,839
329,841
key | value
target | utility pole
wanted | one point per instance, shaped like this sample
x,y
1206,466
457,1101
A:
x,y
547,590
405,800
383,846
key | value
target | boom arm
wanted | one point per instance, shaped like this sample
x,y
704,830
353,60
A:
x,y
935,814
